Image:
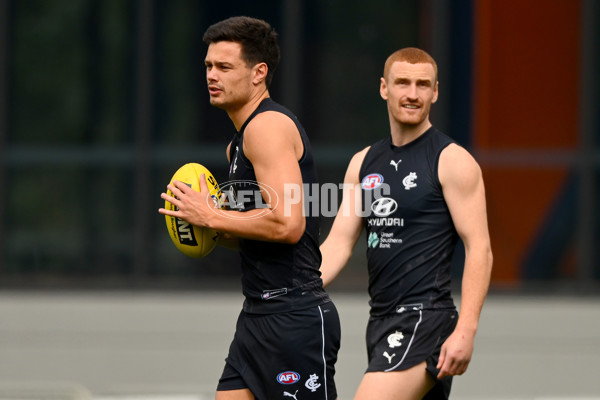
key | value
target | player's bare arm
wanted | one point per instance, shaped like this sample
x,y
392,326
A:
x,y
336,250
273,145
464,192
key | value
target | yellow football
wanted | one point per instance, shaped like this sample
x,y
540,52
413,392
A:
x,y
193,241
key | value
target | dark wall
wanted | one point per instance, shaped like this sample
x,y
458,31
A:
x,y
103,100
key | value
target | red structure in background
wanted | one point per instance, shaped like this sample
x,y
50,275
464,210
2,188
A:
x,y
525,126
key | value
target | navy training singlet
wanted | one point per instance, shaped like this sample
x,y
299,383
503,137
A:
x,y
409,230
276,277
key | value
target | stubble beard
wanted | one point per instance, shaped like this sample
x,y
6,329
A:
x,y
411,120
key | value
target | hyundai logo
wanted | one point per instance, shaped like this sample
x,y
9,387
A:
x,y
384,206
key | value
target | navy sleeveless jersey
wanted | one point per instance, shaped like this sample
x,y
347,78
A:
x,y
276,277
409,230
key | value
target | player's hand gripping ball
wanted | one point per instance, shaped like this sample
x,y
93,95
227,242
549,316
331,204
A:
x,y
193,241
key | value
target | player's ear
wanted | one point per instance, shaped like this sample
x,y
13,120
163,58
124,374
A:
x,y
383,89
260,73
435,91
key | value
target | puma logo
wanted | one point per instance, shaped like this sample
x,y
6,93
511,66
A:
x,y
389,358
291,395
395,164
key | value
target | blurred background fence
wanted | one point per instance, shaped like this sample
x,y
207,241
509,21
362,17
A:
x,y
102,100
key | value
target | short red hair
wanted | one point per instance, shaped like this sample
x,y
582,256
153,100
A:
x,y
411,55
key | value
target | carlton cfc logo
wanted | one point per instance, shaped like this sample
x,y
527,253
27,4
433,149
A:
x,y
288,377
372,181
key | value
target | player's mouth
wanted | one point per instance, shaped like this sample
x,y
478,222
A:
x,y
410,106
214,90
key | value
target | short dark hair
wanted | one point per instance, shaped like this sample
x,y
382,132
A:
x,y
257,38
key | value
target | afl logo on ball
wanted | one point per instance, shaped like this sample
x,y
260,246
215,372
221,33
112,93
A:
x,y
288,377
372,181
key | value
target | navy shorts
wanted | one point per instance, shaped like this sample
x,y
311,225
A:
x,y
413,335
289,354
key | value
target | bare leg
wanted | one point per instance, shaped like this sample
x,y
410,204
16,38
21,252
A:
x,y
241,394
410,384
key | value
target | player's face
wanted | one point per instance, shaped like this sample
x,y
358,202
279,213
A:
x,y
229,78
409,90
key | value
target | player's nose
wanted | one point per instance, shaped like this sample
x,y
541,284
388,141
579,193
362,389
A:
x,y
211,75
412,92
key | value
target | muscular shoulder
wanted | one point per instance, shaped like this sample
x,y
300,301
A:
x,y
272,131
353,171
458,167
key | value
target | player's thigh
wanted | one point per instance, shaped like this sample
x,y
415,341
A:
x,y
239,394
409,384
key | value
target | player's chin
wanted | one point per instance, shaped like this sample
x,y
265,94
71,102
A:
x,y
410,121
216,101
412,118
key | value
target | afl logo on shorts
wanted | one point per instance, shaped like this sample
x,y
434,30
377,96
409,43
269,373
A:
x,y
371,181
288,377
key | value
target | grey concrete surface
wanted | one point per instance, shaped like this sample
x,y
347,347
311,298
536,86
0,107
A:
x,y
171,345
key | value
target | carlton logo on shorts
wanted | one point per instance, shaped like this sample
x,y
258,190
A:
x,y
371,181
288,377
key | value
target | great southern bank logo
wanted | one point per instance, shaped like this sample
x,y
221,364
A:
x,y
288,377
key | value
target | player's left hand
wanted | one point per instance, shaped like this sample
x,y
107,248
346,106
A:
x,y
455,354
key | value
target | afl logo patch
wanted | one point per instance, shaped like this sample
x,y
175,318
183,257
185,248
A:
x,y
372,181
288,377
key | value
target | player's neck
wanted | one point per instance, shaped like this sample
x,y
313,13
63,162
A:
x,y
239,115
403,134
